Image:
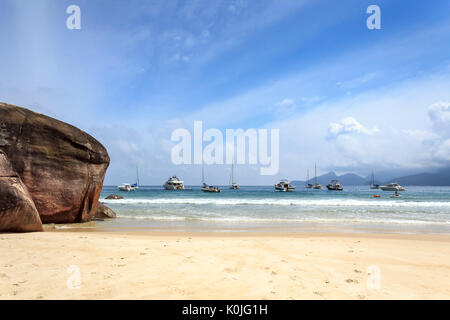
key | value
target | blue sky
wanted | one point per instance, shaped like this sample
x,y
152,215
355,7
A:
x,y
349,98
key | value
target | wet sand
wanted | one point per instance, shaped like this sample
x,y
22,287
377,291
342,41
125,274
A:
x,y
175,265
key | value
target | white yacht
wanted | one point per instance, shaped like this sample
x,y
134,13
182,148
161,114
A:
x,y
284,186
174,183
394,186
125,187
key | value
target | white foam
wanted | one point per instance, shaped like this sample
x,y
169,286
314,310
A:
x,y
285,202
281,220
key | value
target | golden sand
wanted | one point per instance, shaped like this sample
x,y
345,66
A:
x,y
100,265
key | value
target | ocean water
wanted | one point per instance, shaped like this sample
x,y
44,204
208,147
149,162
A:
x,y
257,208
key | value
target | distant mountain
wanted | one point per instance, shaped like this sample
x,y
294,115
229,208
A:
x,y
349,179
440,178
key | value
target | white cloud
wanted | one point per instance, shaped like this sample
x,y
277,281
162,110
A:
x,y
439,114
349,125
356,82
285,103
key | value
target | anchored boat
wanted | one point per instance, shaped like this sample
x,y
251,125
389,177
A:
x,y
307,184
335,186
174,183
394,186
233,185
317,185
284,186
207,188
373,185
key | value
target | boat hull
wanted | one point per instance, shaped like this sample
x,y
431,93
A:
x,y
392,188
210,190
334,189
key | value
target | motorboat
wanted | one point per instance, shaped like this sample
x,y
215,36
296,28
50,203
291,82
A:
x,y
394,186
284,186
174,183
335,186
396,195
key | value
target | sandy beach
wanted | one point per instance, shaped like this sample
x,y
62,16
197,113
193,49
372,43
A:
x,y
154,265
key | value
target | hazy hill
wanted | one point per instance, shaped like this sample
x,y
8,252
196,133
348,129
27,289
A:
x,y
348,179
439,178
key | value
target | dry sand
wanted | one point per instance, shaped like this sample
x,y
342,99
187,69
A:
x,y
223,266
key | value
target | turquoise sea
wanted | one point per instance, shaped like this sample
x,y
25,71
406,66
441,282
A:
x,y
260,208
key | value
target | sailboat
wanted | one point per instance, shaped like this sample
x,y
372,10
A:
x,y
130,187
135,186
317,185
205,187
233,184
373,185
307,184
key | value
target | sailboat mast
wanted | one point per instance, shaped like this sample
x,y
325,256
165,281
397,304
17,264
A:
x,y
203,174
137,175
232,173
307,177
315,173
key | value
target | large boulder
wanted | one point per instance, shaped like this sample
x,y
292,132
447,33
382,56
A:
x,y
114,197
17,210
61,166
103,212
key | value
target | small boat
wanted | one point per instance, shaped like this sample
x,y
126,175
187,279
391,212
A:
x,y
394,186
335,186
376,196
316,185
125,187
207,188
130,187
307,184
135,186
284,186
396,195
174,183
373,185
233,185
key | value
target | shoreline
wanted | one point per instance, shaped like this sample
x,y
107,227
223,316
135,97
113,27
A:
x,y
120,225
180,265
